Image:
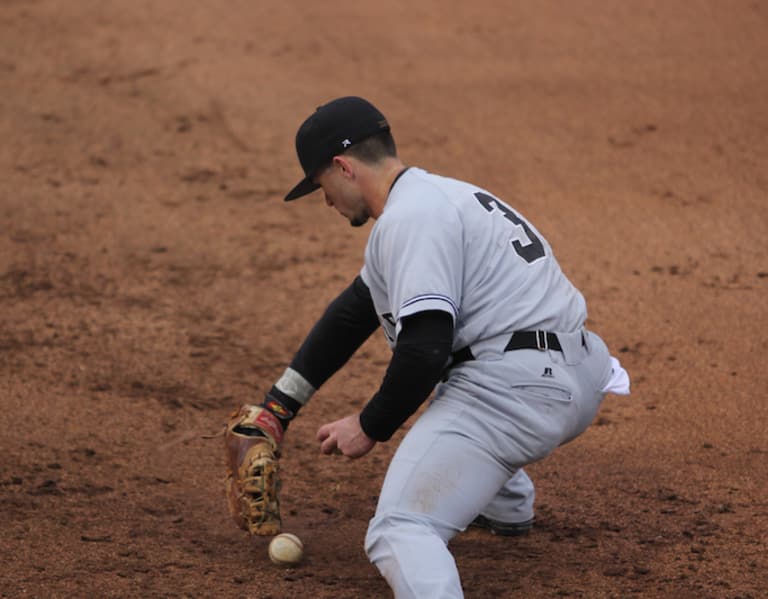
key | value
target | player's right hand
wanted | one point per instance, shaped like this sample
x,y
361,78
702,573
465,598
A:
x,y
345,436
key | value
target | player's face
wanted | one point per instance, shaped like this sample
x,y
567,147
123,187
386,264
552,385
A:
x,y
342,193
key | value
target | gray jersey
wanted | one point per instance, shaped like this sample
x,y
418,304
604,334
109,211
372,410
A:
x,y
443,244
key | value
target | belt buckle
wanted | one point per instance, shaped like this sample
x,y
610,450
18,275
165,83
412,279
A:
x,y
541,340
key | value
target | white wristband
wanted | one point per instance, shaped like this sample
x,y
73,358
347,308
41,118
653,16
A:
x,y
295,386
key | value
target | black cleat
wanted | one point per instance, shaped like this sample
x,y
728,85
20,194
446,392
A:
x,y
504,529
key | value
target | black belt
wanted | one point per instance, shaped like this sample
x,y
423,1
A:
x,y
540,340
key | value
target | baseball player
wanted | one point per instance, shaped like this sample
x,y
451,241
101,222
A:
x,y
475,307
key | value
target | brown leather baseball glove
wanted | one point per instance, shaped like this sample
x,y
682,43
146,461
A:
x,y
252,439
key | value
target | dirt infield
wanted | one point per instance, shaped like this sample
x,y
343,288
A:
x,y
151,279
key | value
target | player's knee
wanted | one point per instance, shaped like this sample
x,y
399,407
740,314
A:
x,y
376,544
390,531
386,532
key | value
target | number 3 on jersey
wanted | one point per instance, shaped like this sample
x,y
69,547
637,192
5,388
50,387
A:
x,y
529,252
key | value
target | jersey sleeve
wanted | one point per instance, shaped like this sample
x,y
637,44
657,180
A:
x,y
419,257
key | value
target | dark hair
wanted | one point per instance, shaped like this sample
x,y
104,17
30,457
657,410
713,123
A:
x,y
370,151
374,149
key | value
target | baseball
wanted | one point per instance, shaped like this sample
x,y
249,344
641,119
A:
x,y
286,549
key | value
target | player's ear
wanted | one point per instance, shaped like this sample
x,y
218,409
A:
x,y
345,166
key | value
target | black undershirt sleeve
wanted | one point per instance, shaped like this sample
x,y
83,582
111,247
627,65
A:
x,y
419,359
345,325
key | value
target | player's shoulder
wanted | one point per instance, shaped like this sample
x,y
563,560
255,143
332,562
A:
x,y
421,192
433,183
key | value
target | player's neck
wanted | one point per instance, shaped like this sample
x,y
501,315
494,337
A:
x,y
382,177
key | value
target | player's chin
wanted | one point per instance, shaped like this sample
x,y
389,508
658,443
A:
x,y
359,221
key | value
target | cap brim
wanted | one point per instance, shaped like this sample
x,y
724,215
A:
x,y
304,187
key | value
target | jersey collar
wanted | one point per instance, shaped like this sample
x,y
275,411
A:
x,y
400,174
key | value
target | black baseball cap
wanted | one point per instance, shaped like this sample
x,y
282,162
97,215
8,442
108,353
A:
x,y
329,131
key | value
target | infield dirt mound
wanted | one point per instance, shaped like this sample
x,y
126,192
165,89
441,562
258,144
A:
x,y
152,279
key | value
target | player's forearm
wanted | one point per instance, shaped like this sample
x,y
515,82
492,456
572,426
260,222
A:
x,y
420,356
347,322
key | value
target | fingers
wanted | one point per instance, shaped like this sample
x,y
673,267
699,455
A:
x,y
329,446
328,441
344,437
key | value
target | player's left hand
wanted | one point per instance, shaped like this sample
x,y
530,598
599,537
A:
x,y
345,436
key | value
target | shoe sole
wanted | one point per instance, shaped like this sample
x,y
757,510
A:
x,y
503,529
